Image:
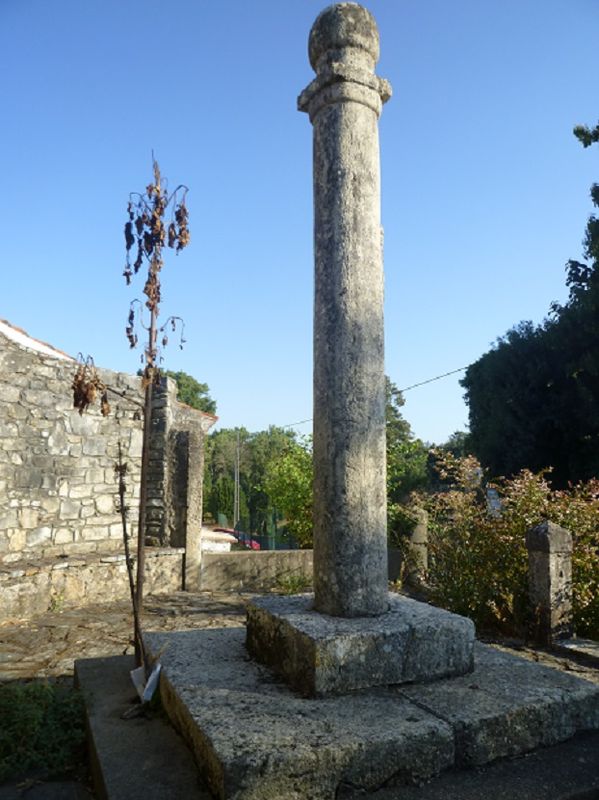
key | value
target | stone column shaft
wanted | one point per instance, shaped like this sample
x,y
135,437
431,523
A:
x,y
350,523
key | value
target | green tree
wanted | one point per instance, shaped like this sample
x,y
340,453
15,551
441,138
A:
x,y
458,444
406,464
256,452
276,472
264,448
192,392
587,136
288,484
221,500
220,453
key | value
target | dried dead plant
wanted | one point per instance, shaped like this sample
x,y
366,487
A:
x,y
87,385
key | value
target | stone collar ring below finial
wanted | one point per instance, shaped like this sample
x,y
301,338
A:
x,y
343,49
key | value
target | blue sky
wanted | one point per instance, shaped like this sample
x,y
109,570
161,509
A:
x,y
485,190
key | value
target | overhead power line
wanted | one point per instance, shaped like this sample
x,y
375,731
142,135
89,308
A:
x,y
293,424
407,389
437,378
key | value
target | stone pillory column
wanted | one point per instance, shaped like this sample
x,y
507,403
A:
x,y
350,525
352,634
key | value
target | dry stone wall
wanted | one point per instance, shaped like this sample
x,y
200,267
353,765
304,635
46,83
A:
x,y
58,487
27,589
57,479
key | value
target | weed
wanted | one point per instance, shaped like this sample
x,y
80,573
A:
x,y
56,603
42,729
295,583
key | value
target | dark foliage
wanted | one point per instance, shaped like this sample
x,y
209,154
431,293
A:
x,y
534,398
42,728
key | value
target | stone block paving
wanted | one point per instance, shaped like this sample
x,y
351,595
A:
x,y
47,645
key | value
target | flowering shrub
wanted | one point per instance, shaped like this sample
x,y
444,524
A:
x,y
478,562
578,511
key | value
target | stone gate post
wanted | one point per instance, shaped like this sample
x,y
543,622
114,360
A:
x,y
418,548
550,581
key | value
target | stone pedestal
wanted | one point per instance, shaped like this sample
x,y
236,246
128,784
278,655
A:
x,y
320,655
254,738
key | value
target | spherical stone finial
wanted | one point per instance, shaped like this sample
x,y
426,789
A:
x,y
342,26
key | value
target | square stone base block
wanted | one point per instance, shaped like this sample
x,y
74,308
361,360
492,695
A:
x,y
320,655
253,738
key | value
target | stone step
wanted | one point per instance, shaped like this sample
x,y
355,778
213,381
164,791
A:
x,y
131,759
567,771
254,738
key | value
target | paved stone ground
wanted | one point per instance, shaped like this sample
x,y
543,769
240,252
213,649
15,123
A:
x,y
47,645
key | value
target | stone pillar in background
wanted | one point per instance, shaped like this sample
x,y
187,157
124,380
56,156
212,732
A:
x,y
174,513
157,527
550,581
186,475
418,548
193,522
350,525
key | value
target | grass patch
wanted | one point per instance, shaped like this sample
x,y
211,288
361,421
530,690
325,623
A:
x,y
42,729
294,583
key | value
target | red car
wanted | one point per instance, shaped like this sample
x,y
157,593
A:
x,y
243,538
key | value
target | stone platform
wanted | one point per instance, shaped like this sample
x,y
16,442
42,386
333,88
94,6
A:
x,y
255,739
318,655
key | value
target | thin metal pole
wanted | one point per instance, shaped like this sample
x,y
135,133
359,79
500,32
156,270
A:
x,y
145,463
236,495
140,652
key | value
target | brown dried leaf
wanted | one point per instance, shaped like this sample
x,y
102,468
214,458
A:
x,y
184,238
140,257
90,392
148,242
129,238
104,405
